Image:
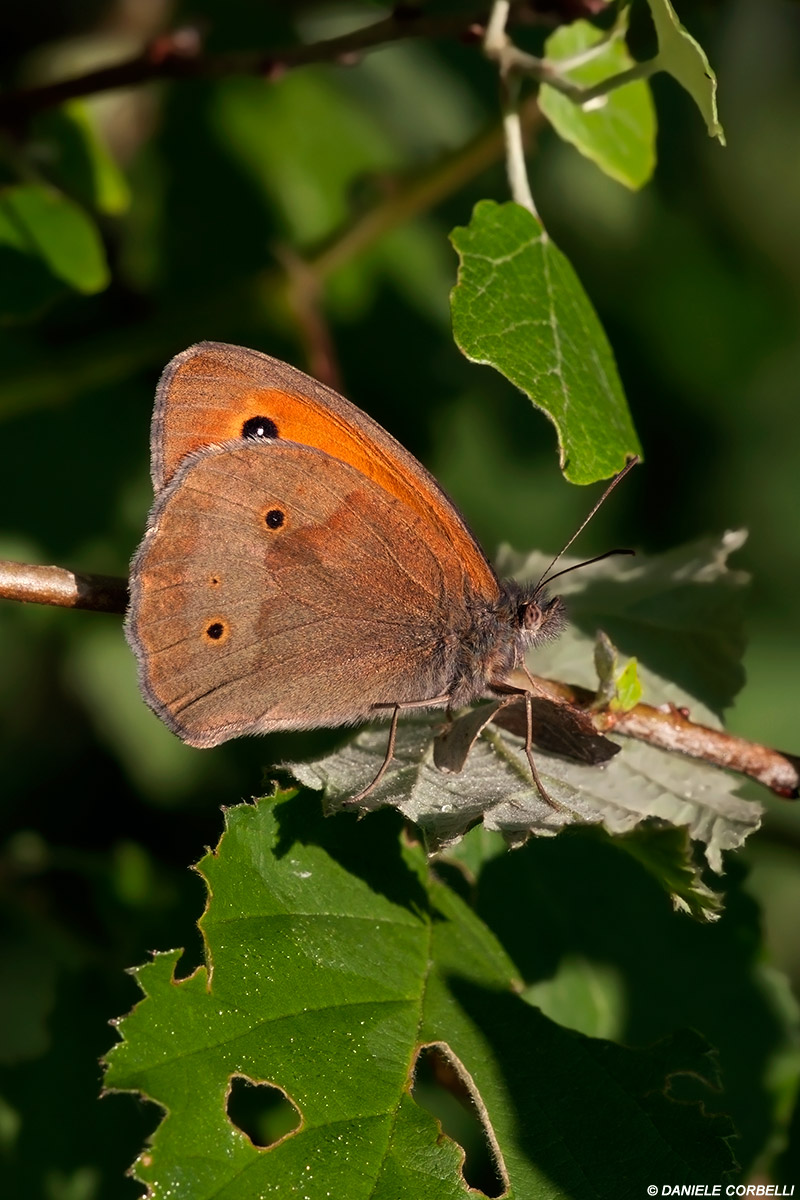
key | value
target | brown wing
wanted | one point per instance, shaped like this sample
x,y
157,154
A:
x,y
278,588
210,392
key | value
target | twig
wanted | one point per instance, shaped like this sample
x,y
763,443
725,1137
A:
x,y
513,63
304,296
178,55
669,728
33,584
418,195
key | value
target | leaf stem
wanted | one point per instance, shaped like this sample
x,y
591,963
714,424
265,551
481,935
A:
x,y
496,45
514,62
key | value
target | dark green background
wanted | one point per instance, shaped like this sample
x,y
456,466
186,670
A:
x,y
696,280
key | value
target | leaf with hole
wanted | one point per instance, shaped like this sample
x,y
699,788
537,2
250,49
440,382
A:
x,y
333,957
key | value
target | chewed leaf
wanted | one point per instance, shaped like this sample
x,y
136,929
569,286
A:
x,y
519,306
685,60
666,854
618,131
333,959
639,784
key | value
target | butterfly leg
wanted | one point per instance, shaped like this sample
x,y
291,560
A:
x,y
362,795
541,789
397,709
527,696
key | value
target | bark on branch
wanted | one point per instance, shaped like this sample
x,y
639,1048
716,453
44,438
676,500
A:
x,y
669,729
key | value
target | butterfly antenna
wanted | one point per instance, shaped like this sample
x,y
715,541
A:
x,y
546,577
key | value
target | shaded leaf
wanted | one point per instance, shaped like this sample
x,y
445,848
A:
x,y
667,855
71,150
519,307
616,131
578,913
679,613
47,244
332,959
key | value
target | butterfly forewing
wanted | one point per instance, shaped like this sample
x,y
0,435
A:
x,y
213,392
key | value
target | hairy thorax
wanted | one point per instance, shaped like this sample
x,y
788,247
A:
x,y
496,637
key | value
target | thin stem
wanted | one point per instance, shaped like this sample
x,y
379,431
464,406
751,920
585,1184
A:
x,y
513,61
516,167
496,46
418,195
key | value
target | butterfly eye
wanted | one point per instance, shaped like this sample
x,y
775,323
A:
x,y
257,428
274,518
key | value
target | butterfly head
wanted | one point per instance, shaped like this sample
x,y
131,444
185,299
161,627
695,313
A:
x,y
540,617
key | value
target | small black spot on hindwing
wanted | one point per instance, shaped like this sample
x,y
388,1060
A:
x,y
216,630
274,518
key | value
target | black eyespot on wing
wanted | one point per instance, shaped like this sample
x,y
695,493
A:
x,y
274,518
216,631
257,428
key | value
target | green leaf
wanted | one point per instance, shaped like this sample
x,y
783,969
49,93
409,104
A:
x,y
682,57
667,855
605,664
616,131
332,958
47,244
519,307
583,995
679,613
582,920
629,687
69,147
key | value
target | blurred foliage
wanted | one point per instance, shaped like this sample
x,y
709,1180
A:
x,y
201,192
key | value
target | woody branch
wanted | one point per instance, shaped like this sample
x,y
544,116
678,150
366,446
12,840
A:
x,y
180,54
668,729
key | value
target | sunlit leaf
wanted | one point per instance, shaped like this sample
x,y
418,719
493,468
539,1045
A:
x,y
684,59
617,131
519,307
